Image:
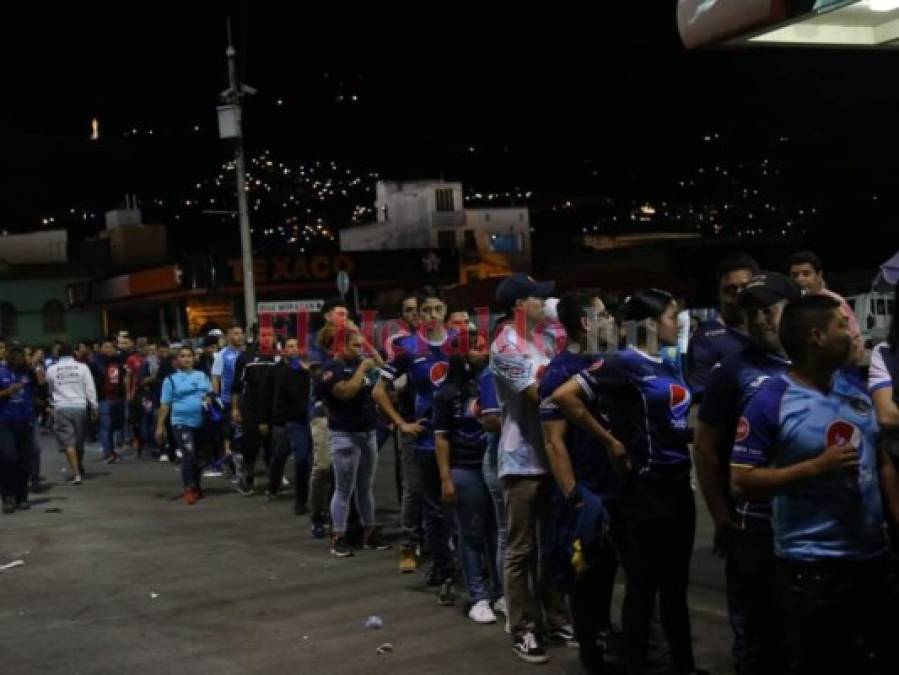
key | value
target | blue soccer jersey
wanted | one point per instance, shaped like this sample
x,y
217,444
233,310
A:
x,y
711,344
826,517
426,365
18,407
589,457
646,403
730,387
223,366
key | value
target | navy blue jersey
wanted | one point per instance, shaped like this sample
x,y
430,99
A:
x,y
589,457
426,365
355,414
647,404
829,516
732,385
711,343
457,414
18,407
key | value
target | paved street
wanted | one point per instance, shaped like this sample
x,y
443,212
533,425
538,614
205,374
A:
x,y
121,577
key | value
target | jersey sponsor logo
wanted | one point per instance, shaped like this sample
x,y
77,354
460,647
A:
x,y
678,398
327,375
438,372
742,430
474,408
596,365
843,434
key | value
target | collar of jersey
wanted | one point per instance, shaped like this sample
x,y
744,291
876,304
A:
x,y
649,357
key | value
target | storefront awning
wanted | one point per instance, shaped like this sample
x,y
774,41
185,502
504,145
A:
x,y
833,23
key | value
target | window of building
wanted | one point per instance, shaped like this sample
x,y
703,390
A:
x,y
444,199
505,243
54,317
446,239
8,327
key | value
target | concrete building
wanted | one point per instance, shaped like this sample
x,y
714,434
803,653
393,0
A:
x,y
34,307
431,214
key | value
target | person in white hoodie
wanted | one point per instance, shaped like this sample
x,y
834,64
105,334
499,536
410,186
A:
x,y
72,395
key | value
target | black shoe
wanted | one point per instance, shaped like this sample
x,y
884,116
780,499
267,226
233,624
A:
x,y
35,488
271,496
562,635
340,549
300,509
319,531
447,596
245,488
23,505
376,542
529,648
9,505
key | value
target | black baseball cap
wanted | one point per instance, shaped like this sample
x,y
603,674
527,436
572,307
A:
x,y
519,286
768,288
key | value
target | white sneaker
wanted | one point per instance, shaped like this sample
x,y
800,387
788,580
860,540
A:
x,y
163,458
481,612
499,606
284,482
212,473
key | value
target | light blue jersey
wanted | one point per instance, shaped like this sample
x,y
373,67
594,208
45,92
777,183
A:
x,y
835,516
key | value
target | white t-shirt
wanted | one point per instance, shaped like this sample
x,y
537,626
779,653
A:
x,y
878,373
517,363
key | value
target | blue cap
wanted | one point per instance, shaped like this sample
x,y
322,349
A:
x,y
519,286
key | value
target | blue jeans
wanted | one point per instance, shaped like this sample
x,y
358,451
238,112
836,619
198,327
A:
x,y
291,439
437,521
16,440
112,419
491,478
477,534
354,458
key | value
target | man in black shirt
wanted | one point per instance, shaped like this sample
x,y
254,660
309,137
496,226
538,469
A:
x,y
251,407
290,425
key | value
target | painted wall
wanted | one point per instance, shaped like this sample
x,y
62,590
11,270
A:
x,y
28,297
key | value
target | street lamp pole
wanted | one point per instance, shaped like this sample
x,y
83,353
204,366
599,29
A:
x,y
231,126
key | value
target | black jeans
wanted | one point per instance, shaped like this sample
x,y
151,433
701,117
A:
x,y
16,440
252,439
437,520
751,600
195,454
292,439
660,518
840,616
590,598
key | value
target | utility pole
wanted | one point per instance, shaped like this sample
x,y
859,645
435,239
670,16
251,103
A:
x,y
231,126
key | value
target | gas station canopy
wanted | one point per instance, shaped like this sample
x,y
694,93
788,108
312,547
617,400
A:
x,y
780,23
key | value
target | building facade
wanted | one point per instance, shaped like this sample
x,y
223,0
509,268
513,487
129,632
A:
x,y
490,242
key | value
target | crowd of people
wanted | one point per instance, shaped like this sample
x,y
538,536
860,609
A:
x,y
539,460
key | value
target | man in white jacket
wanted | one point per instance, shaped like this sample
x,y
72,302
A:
x,y
72,394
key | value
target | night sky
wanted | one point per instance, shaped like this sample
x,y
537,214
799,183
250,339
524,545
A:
x,y
565,103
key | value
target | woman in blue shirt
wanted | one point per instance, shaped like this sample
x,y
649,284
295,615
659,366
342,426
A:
x,y
461,442
17,386
185,394
646,401
345,385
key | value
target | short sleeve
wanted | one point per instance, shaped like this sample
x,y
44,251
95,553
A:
x,y
332,373
757,429
167,392
879,376
443,408
487,394
400,364
206,384
721,399
218,363
552,380
589,379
